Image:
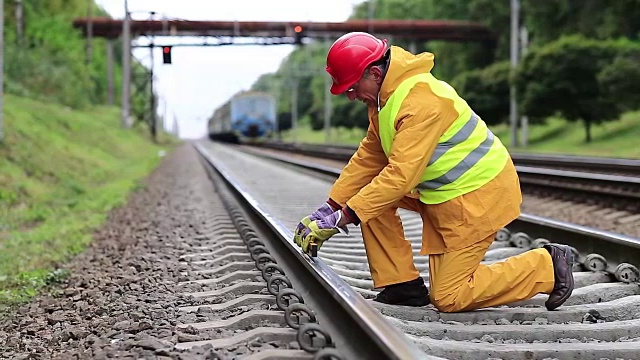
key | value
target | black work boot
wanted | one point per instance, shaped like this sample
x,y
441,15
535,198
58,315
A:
x,y
562,258
410,293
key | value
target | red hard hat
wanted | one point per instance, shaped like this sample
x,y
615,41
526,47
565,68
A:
x,y
349,56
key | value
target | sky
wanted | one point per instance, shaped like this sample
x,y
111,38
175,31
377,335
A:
x,y
200,79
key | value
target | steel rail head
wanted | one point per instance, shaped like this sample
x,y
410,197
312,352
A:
x,y
581,161
522,159
390,339
620,252
585,231
619,179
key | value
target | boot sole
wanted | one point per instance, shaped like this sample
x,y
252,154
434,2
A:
x,y
570,283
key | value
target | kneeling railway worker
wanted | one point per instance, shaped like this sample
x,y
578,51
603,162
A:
x,y
428,152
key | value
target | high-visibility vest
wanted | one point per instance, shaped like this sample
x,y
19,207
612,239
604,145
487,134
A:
x,y
467,156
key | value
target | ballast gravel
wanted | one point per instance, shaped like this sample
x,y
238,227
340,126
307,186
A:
x,y
121,298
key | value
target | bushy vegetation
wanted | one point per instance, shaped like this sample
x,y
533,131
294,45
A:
x,y
487,90
555,135
552,75
580,79
65,160
49,60
61,171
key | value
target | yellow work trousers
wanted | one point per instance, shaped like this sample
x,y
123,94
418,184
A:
x,y
458,282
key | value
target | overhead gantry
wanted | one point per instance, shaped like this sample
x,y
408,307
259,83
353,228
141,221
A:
x,y
220,33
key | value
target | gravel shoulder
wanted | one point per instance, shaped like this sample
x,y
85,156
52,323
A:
x,y
120,300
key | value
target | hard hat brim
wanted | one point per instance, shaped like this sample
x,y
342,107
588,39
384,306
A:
x,y
337,89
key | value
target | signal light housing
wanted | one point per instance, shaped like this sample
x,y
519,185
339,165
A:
x,y
298,34
166,54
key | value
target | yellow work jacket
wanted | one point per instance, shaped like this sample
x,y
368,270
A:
x,y
467,155
372,182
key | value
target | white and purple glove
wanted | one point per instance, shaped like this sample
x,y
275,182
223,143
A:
x,y
321,230
323,211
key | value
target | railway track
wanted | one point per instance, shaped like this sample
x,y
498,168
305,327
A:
x,y
615,166
598,181
594,211
601,319
615,182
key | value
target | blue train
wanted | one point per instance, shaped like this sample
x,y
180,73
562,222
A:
x,y
247,117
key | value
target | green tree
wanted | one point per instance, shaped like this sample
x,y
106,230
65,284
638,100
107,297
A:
x,y
567,77
486,91
349,114
598,19
50,60
620,79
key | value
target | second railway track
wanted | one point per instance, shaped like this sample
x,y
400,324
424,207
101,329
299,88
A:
x,y
600,321
615,166
601,200
614,182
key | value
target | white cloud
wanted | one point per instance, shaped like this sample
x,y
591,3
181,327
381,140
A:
x,y
202,78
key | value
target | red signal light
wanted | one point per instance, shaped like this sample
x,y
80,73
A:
x,y
297,29
166,54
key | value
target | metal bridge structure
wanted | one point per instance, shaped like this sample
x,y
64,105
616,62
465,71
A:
x,y
221,33
415,30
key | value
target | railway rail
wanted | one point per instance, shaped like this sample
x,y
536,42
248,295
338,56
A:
x,y
614,166
615,182
319,296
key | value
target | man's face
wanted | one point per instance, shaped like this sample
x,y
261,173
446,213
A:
x,y
366,89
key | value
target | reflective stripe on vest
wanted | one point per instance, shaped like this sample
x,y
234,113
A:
x,y
467,155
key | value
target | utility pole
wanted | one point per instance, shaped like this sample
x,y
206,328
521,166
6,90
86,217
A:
x,y
164,114
372,4
524,120
126,67
152,99
176,128
110,87
275,91
153,116
327,103
89,31
19,21
412,47
1,66
294,108
513,104
327,109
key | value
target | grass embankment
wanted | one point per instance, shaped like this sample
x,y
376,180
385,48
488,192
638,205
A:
x,y
61,171
610,139
304,134
616,139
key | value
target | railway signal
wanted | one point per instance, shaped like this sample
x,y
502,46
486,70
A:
x,y
166,54
298,34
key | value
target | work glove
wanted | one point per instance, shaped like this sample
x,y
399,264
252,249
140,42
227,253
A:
x,y
323,211
319,231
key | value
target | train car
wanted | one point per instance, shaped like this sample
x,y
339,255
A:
x,y
247,117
